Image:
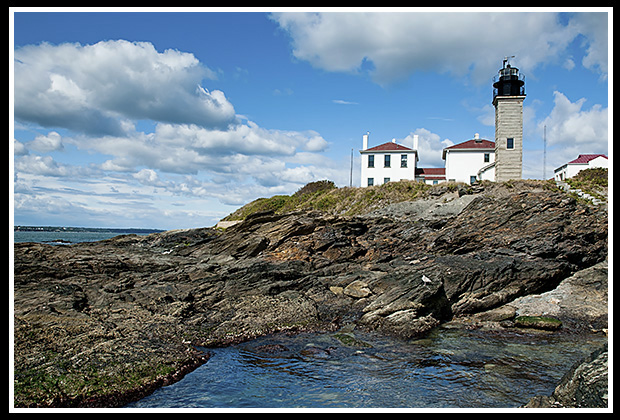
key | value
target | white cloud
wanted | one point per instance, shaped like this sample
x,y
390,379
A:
x,y
196,146
94,88
148,177
46,205
189,149
569,64
19,149
430,147
594,27
470,44
571,130
41,165
568,125
487,116
283,92
49,143
234,166
343,102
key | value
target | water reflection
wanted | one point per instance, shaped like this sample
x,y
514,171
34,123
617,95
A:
x,y
450,368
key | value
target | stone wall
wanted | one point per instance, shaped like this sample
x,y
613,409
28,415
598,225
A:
x,y
508,124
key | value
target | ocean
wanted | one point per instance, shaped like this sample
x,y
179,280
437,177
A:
x,y
71,235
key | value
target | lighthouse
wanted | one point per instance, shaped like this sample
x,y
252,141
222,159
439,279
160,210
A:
x,y
508,96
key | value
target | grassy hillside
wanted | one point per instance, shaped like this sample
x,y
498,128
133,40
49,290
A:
x,y
592,181
325,196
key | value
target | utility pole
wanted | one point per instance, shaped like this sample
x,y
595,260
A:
x,y
351,171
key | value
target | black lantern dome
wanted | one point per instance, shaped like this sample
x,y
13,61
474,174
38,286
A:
x,y
508,82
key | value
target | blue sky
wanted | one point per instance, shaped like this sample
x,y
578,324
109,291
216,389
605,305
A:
x,y
173,119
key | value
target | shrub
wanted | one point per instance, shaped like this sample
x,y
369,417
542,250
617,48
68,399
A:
x,y
595,176
314,187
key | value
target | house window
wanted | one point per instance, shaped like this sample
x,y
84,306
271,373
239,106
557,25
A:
x,y
403,161
510,143
371,161
371,182
487,158
386,180
386,161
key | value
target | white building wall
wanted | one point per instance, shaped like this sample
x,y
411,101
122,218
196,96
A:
x,y
488,174
463,164
599,162
568,171
430,181
434,181
571,169
394,172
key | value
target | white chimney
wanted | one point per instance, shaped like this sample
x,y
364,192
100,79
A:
x,y
415,142
365,140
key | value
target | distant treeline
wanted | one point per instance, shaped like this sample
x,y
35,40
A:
x,y
83,229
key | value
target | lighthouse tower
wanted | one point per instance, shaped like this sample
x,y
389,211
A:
x,y
508,96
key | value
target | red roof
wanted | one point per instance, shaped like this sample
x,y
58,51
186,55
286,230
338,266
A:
x,y
439,173
473,144
586,158
389,146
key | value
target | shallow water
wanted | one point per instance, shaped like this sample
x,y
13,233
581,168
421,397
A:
x,y
449,368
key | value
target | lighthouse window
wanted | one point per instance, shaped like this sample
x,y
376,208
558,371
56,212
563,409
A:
x,y
487,158
510,143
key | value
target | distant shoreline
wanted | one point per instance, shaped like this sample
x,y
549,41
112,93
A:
x,y
21,228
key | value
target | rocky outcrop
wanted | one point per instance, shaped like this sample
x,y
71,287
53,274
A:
x,y
579,304
111,318
585,385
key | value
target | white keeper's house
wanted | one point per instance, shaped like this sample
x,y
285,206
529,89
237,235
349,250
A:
x,y
387,162
573,167
470,161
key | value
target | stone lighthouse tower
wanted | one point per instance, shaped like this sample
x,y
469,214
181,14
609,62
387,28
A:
x,y
508,96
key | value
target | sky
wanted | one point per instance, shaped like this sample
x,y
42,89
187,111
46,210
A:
x,y
172,119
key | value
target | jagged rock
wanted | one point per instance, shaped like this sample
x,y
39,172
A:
x,y
580,301
139,306
357,289
585,385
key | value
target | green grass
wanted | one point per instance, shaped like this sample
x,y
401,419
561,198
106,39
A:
x,y
325,197
592,181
